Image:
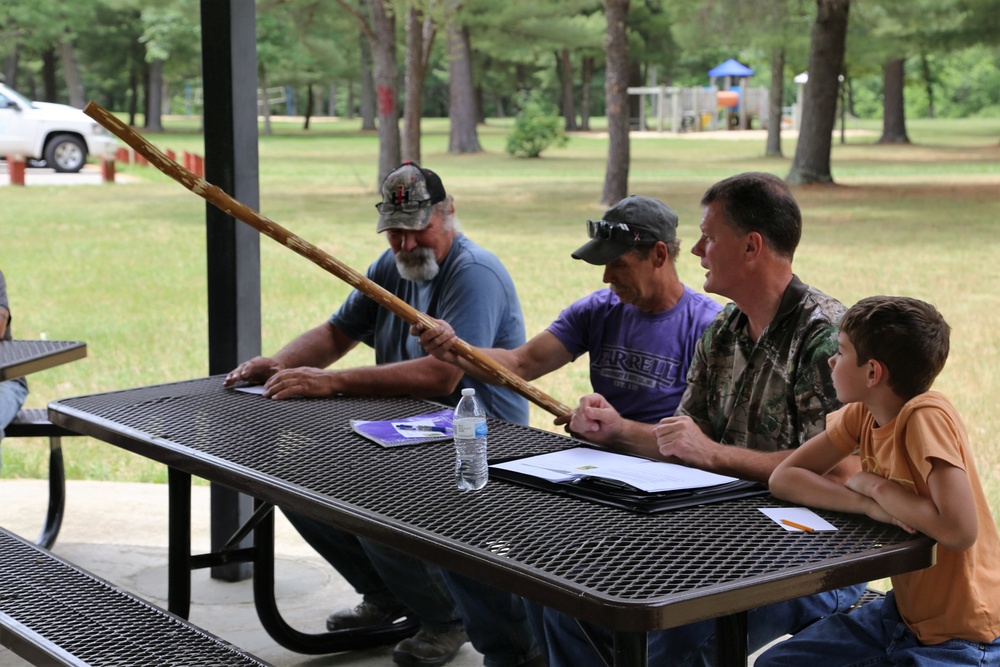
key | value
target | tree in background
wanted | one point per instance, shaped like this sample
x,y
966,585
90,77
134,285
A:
x,y
169,36
116,58
46,30
884,34
380,32
616,102
819,111
517,46
127,53
420,33
462,137
772,29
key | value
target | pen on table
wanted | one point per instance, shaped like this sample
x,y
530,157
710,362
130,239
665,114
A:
x,y
423,427
806,529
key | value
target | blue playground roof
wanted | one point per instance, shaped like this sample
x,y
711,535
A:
x,y
731,68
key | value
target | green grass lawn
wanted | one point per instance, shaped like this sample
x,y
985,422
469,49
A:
x,y
123,266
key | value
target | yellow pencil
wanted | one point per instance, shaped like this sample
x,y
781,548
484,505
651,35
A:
x,y
806,529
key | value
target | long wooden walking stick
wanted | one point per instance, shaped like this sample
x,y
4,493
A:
x,y
216,196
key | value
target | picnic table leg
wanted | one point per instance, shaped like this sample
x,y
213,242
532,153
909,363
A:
x,y
731,640
630,649
179,549
57,494
353,639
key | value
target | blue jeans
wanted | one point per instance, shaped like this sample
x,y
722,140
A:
x,y
383,576
693,645
12,395
496,621
874,635
442,601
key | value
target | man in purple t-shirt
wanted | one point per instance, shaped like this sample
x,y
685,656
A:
x,y
640,332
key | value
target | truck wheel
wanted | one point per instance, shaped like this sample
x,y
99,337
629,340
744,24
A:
x,y
66,153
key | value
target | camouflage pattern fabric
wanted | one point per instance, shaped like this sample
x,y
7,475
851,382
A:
x,y
774,393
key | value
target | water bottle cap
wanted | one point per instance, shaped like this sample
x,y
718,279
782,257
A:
x,y
468,391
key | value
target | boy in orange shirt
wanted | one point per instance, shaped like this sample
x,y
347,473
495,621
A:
x,y
918,473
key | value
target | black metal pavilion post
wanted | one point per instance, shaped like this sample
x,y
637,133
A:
x,y
229,81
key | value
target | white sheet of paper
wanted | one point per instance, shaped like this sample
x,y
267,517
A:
x,y
256,389
401,428
650,476
799,515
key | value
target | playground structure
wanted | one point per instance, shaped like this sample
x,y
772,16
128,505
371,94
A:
x,y
697,109
701,109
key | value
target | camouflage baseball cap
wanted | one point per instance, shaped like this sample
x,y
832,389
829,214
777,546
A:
x,y
409,193
633,222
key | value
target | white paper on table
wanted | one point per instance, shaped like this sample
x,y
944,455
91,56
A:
x,y
419,428
256,389
650,476
799,515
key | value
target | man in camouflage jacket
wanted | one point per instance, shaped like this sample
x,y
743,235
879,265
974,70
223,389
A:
x,y
758,387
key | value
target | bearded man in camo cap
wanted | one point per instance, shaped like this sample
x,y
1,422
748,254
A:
x,y
436,269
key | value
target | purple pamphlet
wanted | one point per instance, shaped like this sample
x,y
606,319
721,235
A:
x,y
414,430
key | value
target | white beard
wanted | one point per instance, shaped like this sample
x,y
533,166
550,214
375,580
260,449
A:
x,y
418,264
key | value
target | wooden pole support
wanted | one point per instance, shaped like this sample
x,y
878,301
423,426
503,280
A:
x,y
219,198
16,165
107,170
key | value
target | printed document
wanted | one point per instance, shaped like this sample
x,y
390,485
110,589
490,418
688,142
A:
x,y
643,474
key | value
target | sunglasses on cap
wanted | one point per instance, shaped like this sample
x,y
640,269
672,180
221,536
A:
x,y
618,232
388,208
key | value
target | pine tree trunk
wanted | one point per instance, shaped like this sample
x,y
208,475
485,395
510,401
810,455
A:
x,y
634,103
463,137
616,102
480,105
49,86
566,76
263,105
386,80
154,97
367,93
925,68
414,83
133,88
310,100
775,99
10,64
893,105
71,73
819,113
586,77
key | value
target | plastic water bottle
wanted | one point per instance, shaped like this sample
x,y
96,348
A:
x,y
471,473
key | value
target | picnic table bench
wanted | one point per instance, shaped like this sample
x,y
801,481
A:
x,y
55,613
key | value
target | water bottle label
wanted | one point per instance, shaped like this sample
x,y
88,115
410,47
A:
x,y
470,428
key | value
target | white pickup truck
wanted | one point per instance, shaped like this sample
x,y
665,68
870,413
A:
x,y
59,135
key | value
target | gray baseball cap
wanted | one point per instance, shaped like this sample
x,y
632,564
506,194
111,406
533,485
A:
x,y
409,193
633,222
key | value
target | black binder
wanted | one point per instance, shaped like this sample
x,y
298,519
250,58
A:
x,y
625,496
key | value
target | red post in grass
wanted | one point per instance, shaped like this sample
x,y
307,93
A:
x,y
186,161
199,166
15,164
107,170
172,155
124,156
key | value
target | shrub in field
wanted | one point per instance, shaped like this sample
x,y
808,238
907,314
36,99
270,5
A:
x,y
536,127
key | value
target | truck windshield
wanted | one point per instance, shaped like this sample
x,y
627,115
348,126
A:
x,y
15,97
